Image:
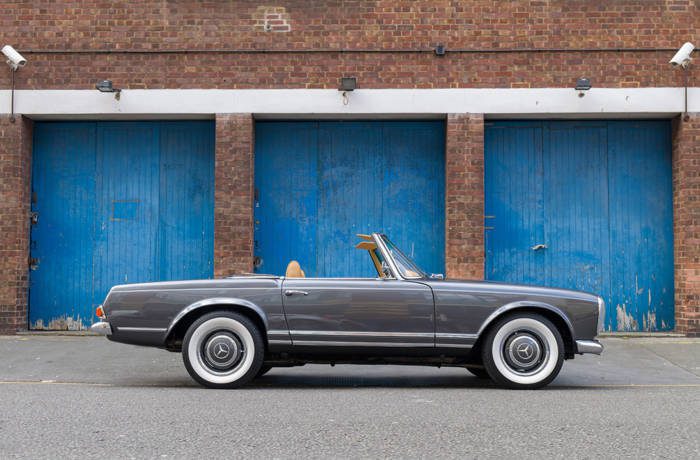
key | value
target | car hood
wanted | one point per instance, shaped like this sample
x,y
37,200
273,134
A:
x,y
507,288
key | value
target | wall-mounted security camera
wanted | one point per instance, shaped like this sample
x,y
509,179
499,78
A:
x,y
682,57
14,59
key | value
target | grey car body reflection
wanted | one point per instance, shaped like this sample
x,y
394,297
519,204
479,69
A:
x,y
389,319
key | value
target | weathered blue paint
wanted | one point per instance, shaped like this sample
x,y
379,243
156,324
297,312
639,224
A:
x,y
641,225
320,183
117,202
598,194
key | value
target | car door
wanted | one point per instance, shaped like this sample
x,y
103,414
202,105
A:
x,y
359,312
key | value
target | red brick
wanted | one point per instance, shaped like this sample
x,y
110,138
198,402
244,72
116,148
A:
x,y
233,194
15,170
686,227
639,36
464,196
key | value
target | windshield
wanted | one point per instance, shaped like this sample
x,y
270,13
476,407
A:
x,y
406,266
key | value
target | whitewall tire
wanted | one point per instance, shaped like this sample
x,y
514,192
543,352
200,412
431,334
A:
x,y
523,351
223,350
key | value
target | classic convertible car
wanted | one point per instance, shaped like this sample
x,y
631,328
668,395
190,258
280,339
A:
x,y
233,330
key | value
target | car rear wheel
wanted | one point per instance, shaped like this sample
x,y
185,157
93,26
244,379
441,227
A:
x,y
223,350
523,351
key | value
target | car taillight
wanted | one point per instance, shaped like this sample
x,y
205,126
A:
x,y
100,312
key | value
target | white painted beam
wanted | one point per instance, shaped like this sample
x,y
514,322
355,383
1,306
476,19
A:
x,y
497,103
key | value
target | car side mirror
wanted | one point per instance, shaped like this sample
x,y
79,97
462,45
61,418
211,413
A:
x,y
437,276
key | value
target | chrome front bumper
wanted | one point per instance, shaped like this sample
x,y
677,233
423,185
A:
x,y
589,346
102,328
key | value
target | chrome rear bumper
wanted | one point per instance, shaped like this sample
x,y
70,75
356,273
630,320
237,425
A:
x,y
102,328
589,346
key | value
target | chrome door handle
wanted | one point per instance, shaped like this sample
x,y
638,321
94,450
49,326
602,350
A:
x,y
289,292
537,247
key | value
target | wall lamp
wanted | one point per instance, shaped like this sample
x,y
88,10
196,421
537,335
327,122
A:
x,y
347,84
15,61
582,84
682,59
105,86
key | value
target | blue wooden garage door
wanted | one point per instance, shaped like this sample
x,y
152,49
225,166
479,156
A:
x,y
320,183
116,202
585,205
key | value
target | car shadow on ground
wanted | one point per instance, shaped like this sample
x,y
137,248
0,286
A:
x,y
308,381
344,381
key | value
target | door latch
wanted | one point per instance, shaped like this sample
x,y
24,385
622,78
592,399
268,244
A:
x,y
537,247
34,218
33,263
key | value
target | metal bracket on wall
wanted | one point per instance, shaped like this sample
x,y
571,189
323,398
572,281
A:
x,y
33,263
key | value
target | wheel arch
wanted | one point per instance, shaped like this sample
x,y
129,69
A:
x,y
183,320
552,313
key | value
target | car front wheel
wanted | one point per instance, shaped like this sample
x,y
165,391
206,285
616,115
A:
x,y
523,351
223,350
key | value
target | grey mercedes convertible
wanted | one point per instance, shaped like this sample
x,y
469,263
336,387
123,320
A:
x,y
233,330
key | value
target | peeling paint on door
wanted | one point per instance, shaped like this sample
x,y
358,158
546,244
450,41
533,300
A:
x,y
62,323
625,321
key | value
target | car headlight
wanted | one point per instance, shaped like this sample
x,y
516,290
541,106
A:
x,y
601,314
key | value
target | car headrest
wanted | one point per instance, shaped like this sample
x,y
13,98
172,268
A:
x,y
294,270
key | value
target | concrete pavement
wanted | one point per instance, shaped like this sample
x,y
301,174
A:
x,y
87,397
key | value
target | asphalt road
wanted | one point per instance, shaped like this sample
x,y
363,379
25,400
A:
x,y
84,397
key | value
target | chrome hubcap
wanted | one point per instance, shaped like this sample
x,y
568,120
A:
x,y
524,352
222,351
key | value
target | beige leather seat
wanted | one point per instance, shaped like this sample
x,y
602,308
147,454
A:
x,y
294,270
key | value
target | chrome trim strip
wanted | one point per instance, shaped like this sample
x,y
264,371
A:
x,y
191,289
362,344
279,342
589,346
445,335
277,332
527,304
223,301
313,287
102,328
142,329
453,345
365,334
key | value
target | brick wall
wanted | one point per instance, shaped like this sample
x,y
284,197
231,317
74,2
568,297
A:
x,y
15,157
464,196
399,24
233,194
686,225
387,43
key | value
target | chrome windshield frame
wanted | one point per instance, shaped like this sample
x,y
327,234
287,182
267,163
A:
x,y
377,237
393,266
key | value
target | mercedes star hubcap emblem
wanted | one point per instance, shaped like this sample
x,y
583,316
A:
x,y
221,350
525,350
